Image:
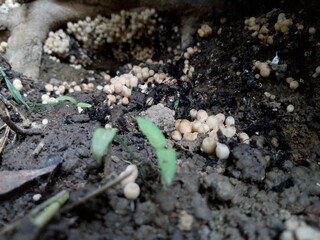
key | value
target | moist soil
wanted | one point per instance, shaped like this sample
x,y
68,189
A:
x,y
268,189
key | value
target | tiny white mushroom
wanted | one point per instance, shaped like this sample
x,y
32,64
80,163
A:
x,y
176,135
49,87
132,177
177,123
213,122
193,113
294,84
203,128
221,117
131,191
185,126
118,87
195,125
244,138
229,131
222,151
202,115
230,121
190,136
209,145
17,84
290,108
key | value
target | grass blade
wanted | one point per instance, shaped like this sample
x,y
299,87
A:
x,y
84,105
67,98
100,141
14,92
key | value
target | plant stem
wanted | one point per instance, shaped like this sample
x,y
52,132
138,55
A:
x,y
46,215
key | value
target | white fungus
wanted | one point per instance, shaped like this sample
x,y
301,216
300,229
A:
x,y
230,121
294,84
221,117
176,135
17,84
204,31
244,138
195,125
213,122
222,151
49,87
202,115
229,131
36,197
209,145
185,126
312,31
290,108
193,113
131,191
132,177
190,136
45,121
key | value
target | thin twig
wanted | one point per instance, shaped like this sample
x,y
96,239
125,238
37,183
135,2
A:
x,y
13,126
34,213
9,104
4,139
99,191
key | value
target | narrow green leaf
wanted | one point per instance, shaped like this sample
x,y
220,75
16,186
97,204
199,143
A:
x,y
67,98
44,105
176,104
84,105
100,141
14,92
167,161
152,132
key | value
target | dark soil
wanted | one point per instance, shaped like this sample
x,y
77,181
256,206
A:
x,y
262,191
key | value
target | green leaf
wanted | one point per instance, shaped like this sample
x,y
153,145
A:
x,y
100,141
167,161
84,105
67,98
44,105
176,104
152,132
14,92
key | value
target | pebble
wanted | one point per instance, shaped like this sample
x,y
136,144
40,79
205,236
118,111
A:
x,y
185,221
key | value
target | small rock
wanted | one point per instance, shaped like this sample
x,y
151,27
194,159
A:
x,y
161,116
221,186
166,200
185,221
145,213
36,197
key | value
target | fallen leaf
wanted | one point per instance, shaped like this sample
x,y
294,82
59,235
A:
x,y
11,180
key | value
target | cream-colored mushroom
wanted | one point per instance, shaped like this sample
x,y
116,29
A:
x,y
131,191
209,145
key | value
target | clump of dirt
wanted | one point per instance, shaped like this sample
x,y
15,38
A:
x,y
272,182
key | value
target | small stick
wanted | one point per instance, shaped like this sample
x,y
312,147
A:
x,y
4,139
13,126
36,215
99,190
